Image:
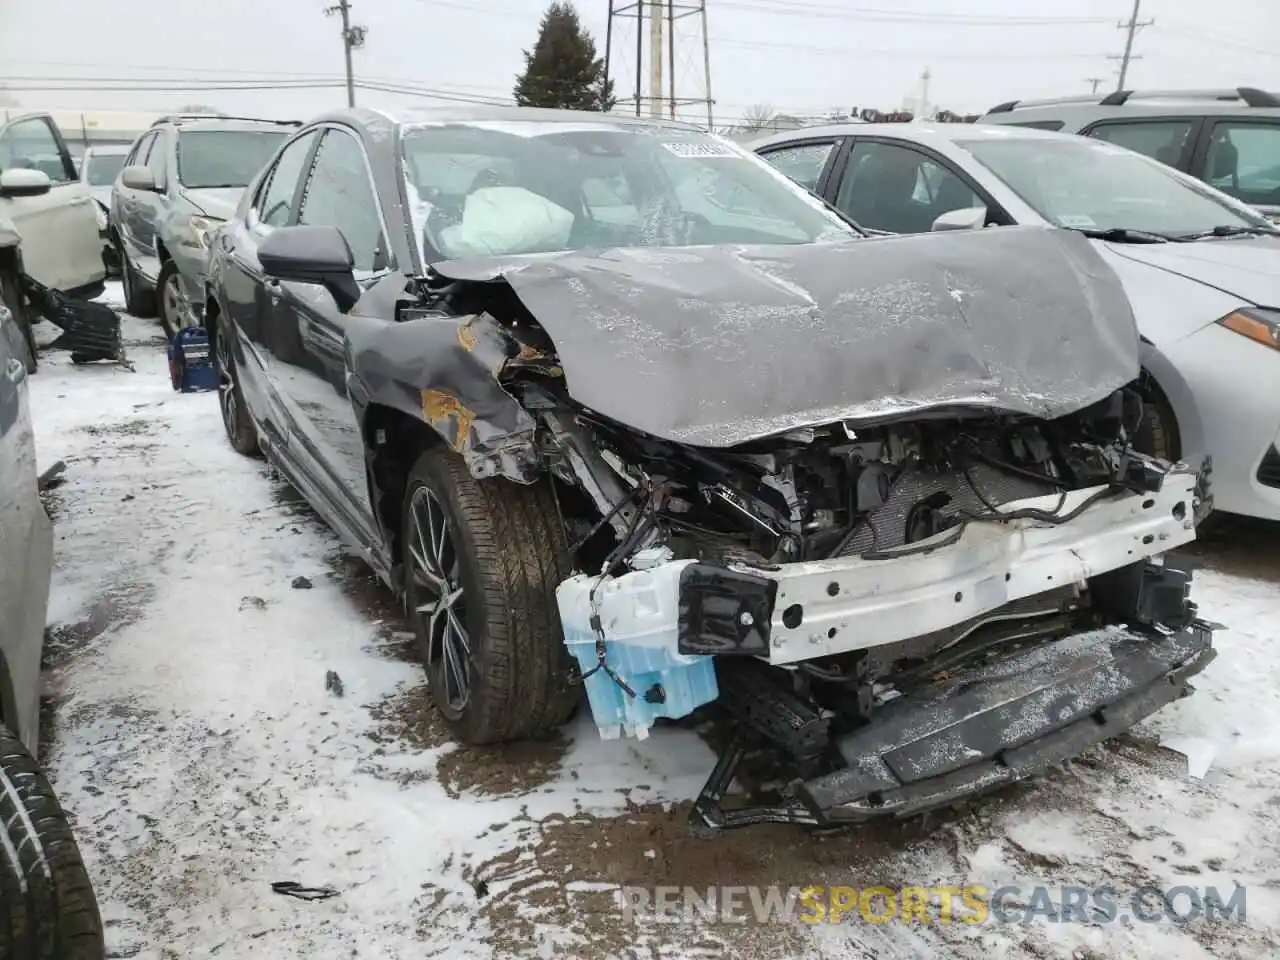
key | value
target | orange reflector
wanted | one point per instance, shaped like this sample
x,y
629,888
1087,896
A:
x,y
1253,329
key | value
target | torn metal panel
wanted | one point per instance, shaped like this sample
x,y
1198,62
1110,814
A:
x,y
444,370
715,346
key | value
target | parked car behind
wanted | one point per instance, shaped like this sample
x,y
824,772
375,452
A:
x,y
612,402
180,181
47,906
49,207
1227,138
99,167
1201,269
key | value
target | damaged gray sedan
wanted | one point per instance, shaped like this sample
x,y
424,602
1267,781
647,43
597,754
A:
x,y
615,405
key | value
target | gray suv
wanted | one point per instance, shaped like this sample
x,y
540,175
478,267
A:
x,y
1227,138
181,180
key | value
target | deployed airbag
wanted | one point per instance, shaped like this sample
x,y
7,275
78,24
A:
x,y
497,221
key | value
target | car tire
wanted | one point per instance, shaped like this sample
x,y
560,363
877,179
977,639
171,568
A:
x,y
11,293
168,292
47,907
237,423
139,300
503,553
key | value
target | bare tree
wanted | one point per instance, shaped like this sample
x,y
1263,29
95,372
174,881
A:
x,y
756,117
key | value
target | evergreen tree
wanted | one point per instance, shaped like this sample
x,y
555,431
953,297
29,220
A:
x,y
563,69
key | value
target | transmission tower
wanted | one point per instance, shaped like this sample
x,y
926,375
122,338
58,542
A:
x,y
662,20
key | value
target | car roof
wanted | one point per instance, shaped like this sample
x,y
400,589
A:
x,y
1246,101
212,122
486,113
916,132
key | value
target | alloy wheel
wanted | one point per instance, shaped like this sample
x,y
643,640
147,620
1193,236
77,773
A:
x,y
226,385
439,597
175,303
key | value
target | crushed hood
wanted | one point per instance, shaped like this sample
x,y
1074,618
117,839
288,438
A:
x,y
1245,267
715,346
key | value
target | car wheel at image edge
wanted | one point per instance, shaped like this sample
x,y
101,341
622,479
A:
x,y
12,296
241,432
47,907
138,300
482,559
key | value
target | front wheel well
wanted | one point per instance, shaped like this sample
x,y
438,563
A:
x,y
1158,433
395,440
210,314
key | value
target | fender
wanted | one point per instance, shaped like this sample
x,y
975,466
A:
x,y
444,370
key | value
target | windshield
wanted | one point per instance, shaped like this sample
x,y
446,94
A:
x,y
526,187
224,158
1093,185
101,168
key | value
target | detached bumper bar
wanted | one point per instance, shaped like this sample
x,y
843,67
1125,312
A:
x,y
800,611
985,727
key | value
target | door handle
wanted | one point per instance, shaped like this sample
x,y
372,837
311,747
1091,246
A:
x,y
16,370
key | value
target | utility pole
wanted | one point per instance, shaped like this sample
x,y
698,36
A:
x,y
352,39
1093,81
1131,28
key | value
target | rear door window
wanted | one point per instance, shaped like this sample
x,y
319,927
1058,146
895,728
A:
x,y
1243,159
1163,140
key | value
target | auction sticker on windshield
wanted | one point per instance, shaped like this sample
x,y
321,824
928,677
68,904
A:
x,y
1077,220
697,151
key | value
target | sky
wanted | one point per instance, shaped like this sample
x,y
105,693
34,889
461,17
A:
x,y
795,56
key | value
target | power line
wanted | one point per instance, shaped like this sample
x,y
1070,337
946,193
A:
x,y
806,8
1217,40
872,15
867,53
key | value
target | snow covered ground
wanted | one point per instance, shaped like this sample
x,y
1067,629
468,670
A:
x,y
192,738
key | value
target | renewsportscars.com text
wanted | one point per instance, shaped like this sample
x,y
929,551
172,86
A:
x,y
931,904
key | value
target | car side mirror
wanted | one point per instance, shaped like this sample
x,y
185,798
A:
x,y
21,182
138,178
966,218
310,253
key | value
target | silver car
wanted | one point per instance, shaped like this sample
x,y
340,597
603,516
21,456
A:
x,y
1201,269
27,536
180,181
1227,138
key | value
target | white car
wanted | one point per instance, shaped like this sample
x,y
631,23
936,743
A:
x,y
49,207
1201,269
99,168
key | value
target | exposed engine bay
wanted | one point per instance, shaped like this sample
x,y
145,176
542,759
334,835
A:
x,y
912,608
